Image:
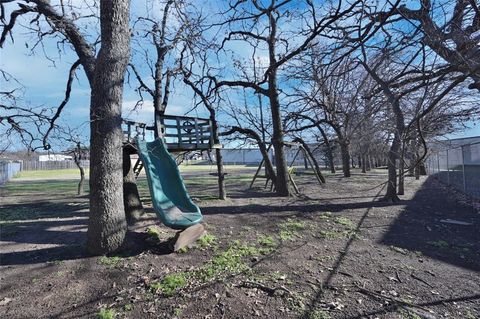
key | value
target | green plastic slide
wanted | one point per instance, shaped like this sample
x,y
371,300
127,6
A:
x,y
169,196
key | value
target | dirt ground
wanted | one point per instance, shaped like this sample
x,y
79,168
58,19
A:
x,y
336,251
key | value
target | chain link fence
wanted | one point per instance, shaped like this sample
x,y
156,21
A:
x,y
457,166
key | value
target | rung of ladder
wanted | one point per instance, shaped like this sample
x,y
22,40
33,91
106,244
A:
x,y
137,168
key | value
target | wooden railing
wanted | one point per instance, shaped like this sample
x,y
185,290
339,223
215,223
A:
x,y
180,132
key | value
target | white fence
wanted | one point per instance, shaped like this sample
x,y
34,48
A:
x,y
50,165
251,156
8,170
458,167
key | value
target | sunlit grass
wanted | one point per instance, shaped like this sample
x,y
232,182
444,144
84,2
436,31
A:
x,y
72,173
47,187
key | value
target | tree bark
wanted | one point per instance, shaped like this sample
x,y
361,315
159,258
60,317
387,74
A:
x,y
282,180
77,157
222,192
107,224
316,167
364,164
131,197
329,149
401,176
345,150
416,169
391,194
82,180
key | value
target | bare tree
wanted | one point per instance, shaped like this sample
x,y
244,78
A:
x,y
385,77
105,74
333,94
451,30
157,45
78,150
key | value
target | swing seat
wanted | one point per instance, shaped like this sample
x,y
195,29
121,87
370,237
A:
x,y
216,174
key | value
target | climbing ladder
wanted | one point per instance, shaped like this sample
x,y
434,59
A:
x,y
137,168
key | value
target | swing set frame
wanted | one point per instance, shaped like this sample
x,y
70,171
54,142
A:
x,y
290,170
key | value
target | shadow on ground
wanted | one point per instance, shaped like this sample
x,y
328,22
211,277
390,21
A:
x,y
418,229
423,228
64,239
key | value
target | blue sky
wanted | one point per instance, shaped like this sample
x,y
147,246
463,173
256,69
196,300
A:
x,y
45,83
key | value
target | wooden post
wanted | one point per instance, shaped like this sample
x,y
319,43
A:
x,y
179,133
196,131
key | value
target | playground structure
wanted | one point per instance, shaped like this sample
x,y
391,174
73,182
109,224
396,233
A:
x,y
181,133
291,169
170,198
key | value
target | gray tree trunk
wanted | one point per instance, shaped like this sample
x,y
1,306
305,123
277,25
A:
x,y
282,181
222,192
401,177
416,170
309,153
364,164
344,149
82,180
107,224
329,149
131,197
77,156
391,194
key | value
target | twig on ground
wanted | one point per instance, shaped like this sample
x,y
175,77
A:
x,y
269,290
383,297
398,276
420,279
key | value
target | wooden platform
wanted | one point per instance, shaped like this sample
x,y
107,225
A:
x,y
181,133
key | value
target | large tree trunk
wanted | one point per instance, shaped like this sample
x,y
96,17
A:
x,y
391,194
107,225
331,160
329,149
131,197
401,177
268,163
222,192
282,181
77,156
261,145
309,153
344,149
364,164
416,169
81,181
